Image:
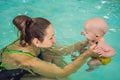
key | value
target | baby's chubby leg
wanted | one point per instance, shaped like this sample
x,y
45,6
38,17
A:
x,y
93,64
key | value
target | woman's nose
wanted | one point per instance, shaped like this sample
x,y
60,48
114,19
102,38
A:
x,y
54,41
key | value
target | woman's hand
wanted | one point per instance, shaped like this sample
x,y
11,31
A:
x,y
94,51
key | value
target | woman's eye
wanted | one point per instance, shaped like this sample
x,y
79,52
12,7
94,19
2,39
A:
x,y
92,40
51,38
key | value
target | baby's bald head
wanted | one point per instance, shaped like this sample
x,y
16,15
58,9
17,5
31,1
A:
x,y
96,26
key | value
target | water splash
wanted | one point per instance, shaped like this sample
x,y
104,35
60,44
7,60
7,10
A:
x,y
103,2
26,12
98,7
114,29
24,1
106,17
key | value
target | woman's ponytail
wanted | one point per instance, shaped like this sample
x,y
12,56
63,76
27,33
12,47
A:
x,y
22,22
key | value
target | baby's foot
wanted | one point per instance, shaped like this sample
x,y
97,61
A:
x,y
89,70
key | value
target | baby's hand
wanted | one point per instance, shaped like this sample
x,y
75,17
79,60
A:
x,y
97,49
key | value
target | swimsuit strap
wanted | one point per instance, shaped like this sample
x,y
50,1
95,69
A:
x,y
14,52
18,52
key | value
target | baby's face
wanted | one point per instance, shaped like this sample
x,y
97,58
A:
x,y
91,37
95,28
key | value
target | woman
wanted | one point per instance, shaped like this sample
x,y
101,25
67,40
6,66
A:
x,y
36,33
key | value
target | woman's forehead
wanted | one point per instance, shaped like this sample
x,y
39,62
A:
x,y
50,30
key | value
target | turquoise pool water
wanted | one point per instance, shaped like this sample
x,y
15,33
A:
x,y
68,17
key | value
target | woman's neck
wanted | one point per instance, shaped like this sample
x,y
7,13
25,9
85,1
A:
x,y
33,50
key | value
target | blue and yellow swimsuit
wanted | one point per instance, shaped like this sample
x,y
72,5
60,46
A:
x,y
105,60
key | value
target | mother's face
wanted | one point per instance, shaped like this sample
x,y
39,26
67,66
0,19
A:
x,y
49,39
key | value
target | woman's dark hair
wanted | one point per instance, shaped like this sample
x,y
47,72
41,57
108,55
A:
x,y
30,28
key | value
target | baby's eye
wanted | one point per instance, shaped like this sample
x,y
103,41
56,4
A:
x,y
96,36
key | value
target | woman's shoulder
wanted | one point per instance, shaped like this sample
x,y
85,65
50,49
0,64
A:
x,y
13,45
16,57
15,60
16,52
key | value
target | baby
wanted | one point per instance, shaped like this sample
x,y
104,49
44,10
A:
x,y
95,29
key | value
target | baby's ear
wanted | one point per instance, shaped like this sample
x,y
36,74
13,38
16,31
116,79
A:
x,y
82,33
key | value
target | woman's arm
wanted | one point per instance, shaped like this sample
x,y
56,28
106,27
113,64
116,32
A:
x,y
58,50
51,70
